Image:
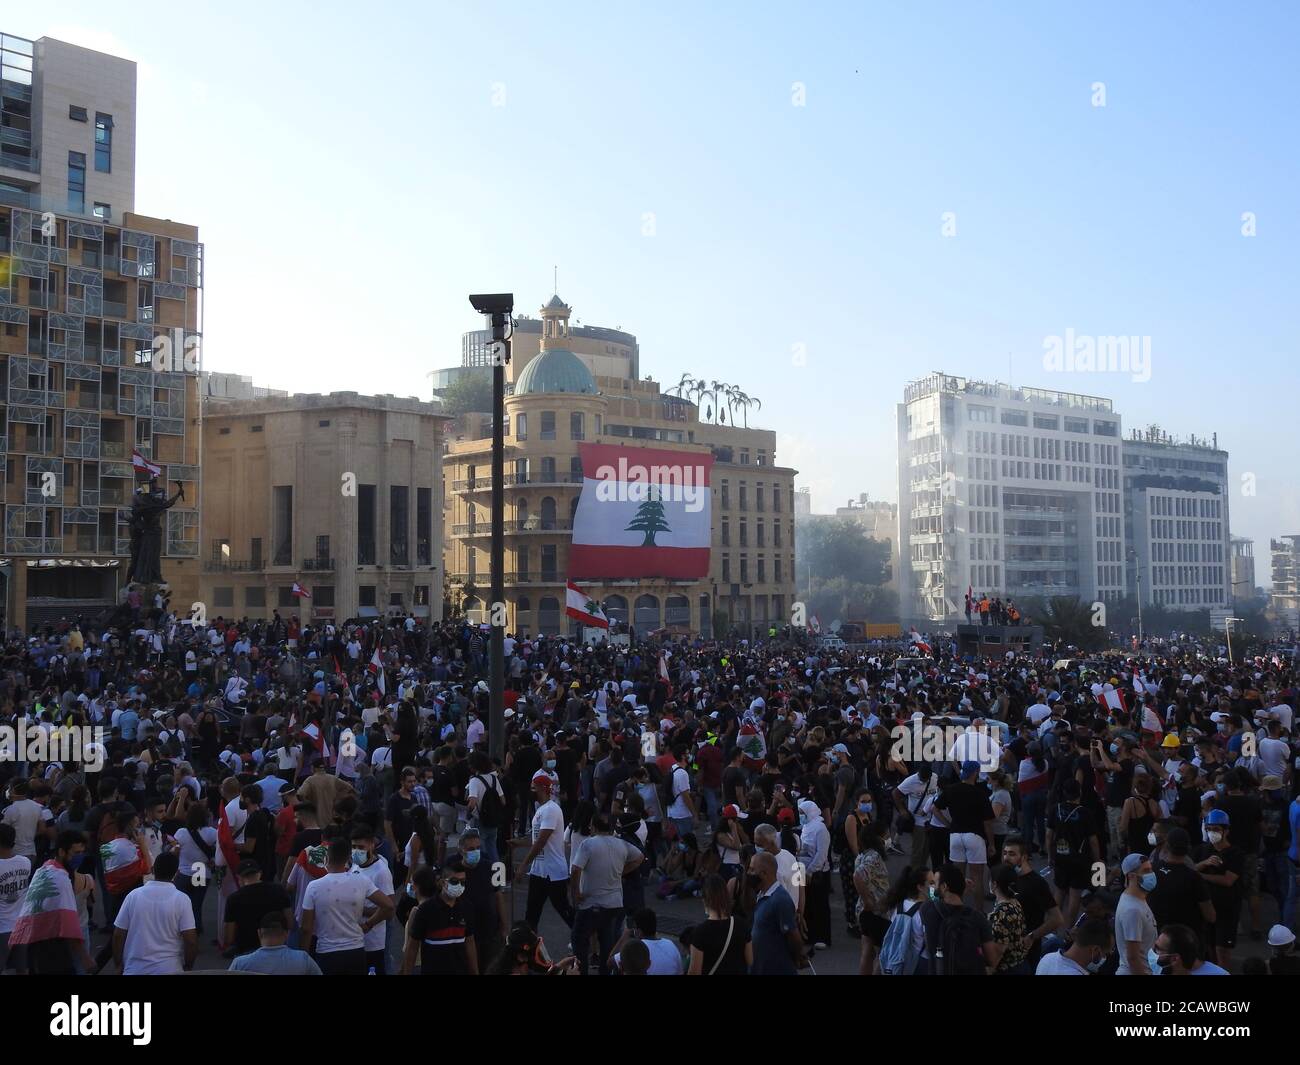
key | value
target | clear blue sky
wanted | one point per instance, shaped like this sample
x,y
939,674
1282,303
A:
x,y
353,180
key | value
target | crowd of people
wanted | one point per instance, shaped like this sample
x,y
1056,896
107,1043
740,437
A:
x,y
321,799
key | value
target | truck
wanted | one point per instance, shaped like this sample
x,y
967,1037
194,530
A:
x,y
857,631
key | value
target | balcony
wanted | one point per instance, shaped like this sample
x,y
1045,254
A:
x,y
483,581
565,477
113,309
531,525
111,449
226,565
318,565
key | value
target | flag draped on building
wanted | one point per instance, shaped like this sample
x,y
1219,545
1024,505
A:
x,y
49,909
643,512
578,604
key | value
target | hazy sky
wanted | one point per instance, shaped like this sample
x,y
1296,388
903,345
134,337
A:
x,y
759,191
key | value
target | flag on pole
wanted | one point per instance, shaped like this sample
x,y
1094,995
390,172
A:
x,y
1112,700
578,604
377,668
663,673
143,465
299,591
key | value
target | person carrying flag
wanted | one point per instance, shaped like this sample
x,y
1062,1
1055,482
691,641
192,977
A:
x,y
47,924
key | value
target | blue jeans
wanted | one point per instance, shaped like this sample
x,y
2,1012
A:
x,y
607,923
684,825
1278,877
1033,808
712,805
1292,891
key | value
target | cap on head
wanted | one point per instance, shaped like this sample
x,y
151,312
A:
x,y
1133,863
1217,817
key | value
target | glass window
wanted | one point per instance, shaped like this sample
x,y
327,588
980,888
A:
x,y
103,143
322,595
77,182
77,114
365,595
577,425
521,426
548,425
282,525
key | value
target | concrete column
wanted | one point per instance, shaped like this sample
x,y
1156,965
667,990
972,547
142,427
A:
x,y
345,555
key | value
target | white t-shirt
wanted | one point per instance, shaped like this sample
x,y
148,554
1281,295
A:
x,y
681,785
1038,712
154,916
1057,964
381,880
25,815
478,784
550,863
15,873
338,901
1274,754
191,857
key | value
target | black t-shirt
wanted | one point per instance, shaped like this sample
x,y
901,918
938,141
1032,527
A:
x,y
1234,861
1073,825
481,899
399,816
1035,899
1244,813
1178,895
733,778
1119,784
968,806
709,936
307,837
246,908
1187,805
440,785
442,931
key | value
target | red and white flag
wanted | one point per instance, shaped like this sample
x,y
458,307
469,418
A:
x,y
143,465
663,673
919,643
299,591
643,512
377,668
49,908
578,604
1112,699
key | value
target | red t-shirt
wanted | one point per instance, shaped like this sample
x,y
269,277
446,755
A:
x,y
284,831
709,759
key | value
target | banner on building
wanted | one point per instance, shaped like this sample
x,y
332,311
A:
x,y
643,512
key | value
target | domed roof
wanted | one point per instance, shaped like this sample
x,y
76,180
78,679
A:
x,y
555,370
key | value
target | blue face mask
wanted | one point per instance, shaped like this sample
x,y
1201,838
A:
x,y
1148,882
682,847
1153,960
472,857
360,857
74,863
864,807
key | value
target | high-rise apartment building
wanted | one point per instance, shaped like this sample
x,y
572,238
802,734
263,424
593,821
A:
x,y
1284,599
1009,491
1243,568
1176,521
67,128
100,318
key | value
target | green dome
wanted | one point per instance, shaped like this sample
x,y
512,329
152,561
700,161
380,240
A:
x,y
556,370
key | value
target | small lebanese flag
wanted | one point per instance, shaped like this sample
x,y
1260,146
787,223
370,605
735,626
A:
x,y
663,673
143,465
377,668
227,850
578,604
1112,700
313,732
919,643
814,625
300,591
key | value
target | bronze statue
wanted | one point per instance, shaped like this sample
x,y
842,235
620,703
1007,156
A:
x,y
146,532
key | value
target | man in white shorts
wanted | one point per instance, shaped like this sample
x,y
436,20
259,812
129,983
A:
x,y
971,817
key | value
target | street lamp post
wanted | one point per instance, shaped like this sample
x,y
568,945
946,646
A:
x,y
1137,570
497,309
1227,630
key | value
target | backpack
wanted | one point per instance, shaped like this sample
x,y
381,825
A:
x,y
491,807
666,784
960,951
899,954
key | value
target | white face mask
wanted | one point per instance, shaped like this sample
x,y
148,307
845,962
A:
x,y
455,891
1151,838
1214,837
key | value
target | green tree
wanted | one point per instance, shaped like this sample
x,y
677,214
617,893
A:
x,y
650,519
840,547
469,392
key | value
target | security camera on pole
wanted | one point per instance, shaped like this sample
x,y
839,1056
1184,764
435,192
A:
x,y
497,308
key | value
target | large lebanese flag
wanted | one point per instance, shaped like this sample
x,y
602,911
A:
x,y
49,908
643,512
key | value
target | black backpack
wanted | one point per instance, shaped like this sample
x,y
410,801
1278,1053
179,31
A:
x,y
491,807
666,784
960,951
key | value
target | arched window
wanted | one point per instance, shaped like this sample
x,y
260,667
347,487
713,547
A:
x,y
616,608
521,511
646,616
548,615
677,611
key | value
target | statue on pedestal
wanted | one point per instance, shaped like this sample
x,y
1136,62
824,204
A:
x,y
147,510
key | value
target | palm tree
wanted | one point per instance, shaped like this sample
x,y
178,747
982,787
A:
x,y
756,403
684,385
697,389
718,390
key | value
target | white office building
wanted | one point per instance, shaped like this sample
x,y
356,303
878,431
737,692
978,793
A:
x,y
1176,521
1015,492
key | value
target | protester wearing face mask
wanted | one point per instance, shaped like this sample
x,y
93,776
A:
x,y
442,929
1135,924
1178,952
1086,953
1222,864
366,859
861,811
484,895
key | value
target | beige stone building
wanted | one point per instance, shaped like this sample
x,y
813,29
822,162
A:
x,y
340,493
879,520
99,324
561,398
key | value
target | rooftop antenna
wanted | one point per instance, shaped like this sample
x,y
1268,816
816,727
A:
x,y
555,280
